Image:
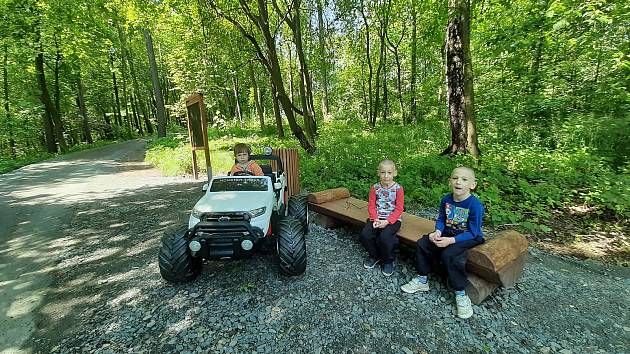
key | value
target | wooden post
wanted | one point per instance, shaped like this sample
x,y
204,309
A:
x,y
291,165
198,131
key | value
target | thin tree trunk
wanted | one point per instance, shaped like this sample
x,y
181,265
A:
x,y
134,81
5,78
290,68
237,104
257,103
394,50
369,63
413,118
323,58
116,97
159,103
87,134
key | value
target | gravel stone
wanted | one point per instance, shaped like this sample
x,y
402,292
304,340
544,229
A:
x,y
337,306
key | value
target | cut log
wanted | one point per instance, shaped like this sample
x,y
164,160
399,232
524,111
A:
x,y
479,289
499,250
328,195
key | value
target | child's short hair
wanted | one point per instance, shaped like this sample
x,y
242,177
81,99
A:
x,y
387,163
467,169
240,148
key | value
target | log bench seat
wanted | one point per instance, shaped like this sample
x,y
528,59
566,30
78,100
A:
x,y
497,262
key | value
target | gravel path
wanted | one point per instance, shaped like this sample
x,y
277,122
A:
x,y
106,296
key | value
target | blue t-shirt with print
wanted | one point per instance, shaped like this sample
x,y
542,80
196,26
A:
x,y
460,219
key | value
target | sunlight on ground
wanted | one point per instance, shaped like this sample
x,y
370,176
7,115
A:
x,y
59,309
142,247
25,304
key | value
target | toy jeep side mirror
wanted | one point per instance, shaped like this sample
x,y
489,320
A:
x,y
267,150
277,185
205,187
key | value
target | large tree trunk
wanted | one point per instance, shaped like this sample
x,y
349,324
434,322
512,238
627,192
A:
x,y
49,134
87,134
159,103
323,59
459,81
5,78
257,103
413,117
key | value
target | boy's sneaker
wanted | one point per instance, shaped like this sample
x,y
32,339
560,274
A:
x,y
464,306
414,286
388,269
370,263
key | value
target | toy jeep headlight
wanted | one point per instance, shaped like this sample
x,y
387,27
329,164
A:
x,y
257,212
196,213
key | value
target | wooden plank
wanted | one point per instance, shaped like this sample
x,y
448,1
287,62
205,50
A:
x,y
354,211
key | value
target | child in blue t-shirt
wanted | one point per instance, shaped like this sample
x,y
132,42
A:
x,y
457,229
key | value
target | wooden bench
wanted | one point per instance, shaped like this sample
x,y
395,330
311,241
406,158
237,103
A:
x,y
497,262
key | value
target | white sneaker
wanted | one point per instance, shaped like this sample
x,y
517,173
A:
x,y
464,306
414,286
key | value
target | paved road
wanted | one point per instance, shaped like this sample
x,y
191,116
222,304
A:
x,y
36,205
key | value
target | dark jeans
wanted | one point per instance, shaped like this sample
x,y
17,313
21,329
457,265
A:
x,y
380,243
452,258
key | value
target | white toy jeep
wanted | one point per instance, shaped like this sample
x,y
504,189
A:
x,y
234,218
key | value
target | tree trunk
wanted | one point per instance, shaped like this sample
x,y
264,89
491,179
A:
x,y
134,81
159,103
323,59
49,134
459,81
394,50
238,114
276,110
257,103
381,65
413,118
118,120
87,134
5,78
370,68
306,91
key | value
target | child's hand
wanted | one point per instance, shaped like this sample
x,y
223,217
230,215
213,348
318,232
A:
x,y
435,235
444,241
379,224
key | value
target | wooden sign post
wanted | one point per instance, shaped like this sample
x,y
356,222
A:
x,y
198,131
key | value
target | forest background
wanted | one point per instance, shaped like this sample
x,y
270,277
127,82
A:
x,y
348,82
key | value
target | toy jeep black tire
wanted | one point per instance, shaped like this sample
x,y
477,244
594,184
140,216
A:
x,y
176,262
298,208
291,246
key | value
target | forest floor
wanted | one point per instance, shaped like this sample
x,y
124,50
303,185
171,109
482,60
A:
x,y
78,273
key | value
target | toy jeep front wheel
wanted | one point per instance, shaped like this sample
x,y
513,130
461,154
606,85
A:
x,y
176,263
298,208
291,246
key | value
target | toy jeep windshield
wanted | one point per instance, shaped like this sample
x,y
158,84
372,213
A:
x,y
236,216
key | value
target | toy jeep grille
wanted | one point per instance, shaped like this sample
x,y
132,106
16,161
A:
x,y
225,217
